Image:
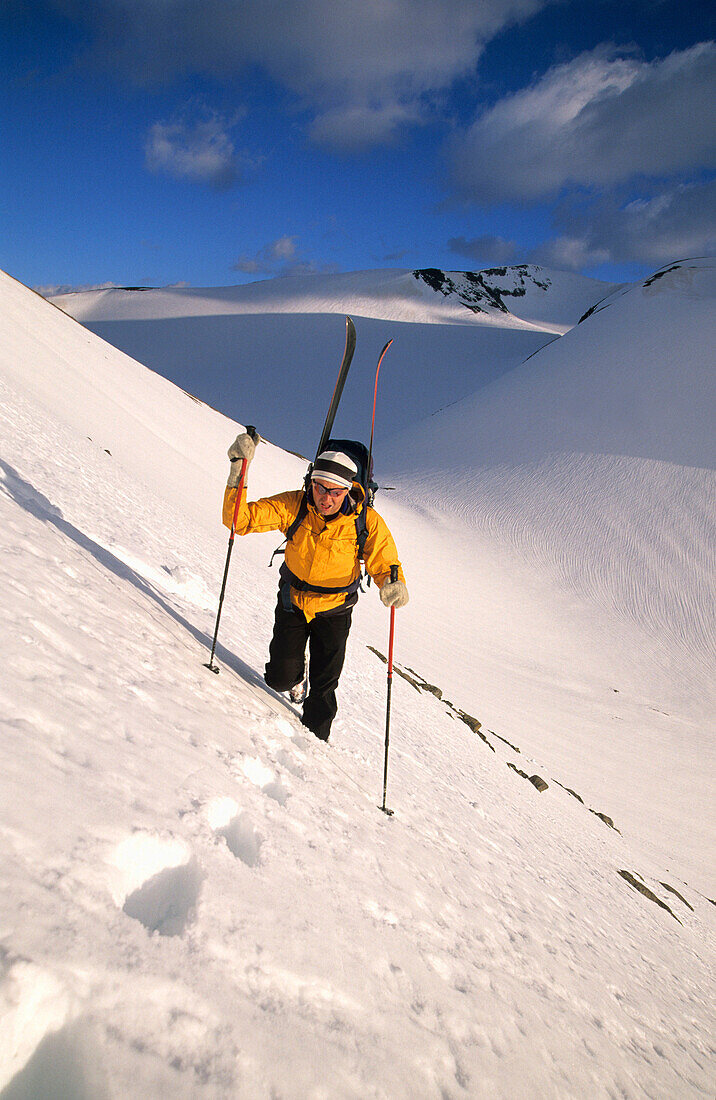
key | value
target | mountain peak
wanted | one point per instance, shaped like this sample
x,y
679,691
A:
x,y
481,291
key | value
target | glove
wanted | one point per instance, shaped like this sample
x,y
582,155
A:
x,y
394,594
243,447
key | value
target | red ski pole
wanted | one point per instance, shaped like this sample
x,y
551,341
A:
x,y
375,400
215,668
393,577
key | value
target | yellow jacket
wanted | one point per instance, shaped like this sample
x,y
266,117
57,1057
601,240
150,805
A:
x,y
322,551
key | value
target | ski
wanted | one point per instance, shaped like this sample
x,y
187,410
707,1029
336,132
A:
x,y
340,383
381,357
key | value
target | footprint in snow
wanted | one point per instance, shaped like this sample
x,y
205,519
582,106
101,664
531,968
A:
x,y
156,881
295,734
37,1011
236,828
286,760
263,778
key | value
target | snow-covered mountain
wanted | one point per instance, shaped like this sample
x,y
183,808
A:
x,y
507,296
198,900
260,350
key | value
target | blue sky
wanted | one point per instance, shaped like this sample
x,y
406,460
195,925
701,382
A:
x,y
208,142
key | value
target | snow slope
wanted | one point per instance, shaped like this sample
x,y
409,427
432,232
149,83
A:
x,y
259,350
592,466
199,900
506,296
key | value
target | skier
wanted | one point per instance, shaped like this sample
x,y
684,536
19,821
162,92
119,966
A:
x,y
320,577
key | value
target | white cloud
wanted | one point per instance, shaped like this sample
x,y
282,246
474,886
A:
x,y
361,68
672,224
267,259
250,265
200,150
568,254
280,257
353,128
485,250
597,121
282,249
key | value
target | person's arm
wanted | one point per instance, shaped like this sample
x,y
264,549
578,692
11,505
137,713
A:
x,y
275,513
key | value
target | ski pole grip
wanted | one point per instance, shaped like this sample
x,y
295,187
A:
x,y
393,573
250,430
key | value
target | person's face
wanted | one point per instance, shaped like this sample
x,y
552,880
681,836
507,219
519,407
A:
x,y
328,497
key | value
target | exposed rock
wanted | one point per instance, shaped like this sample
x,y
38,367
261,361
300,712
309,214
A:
x,y
647,892
396,668
596,308
678,895
475,726
661,274
569,791
535,780
478,290
505,741
411,681
590,311
607,820
422,684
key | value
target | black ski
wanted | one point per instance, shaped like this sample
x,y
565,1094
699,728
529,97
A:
x,y
340,383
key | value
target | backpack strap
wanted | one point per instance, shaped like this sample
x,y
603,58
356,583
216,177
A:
x,y
361,532
300,516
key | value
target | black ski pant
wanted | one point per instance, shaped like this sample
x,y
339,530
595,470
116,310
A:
x,y
326,636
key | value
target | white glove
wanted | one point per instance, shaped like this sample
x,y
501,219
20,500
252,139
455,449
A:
x,y
394,594
243,447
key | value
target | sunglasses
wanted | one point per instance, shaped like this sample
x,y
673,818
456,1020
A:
x,y
326,492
